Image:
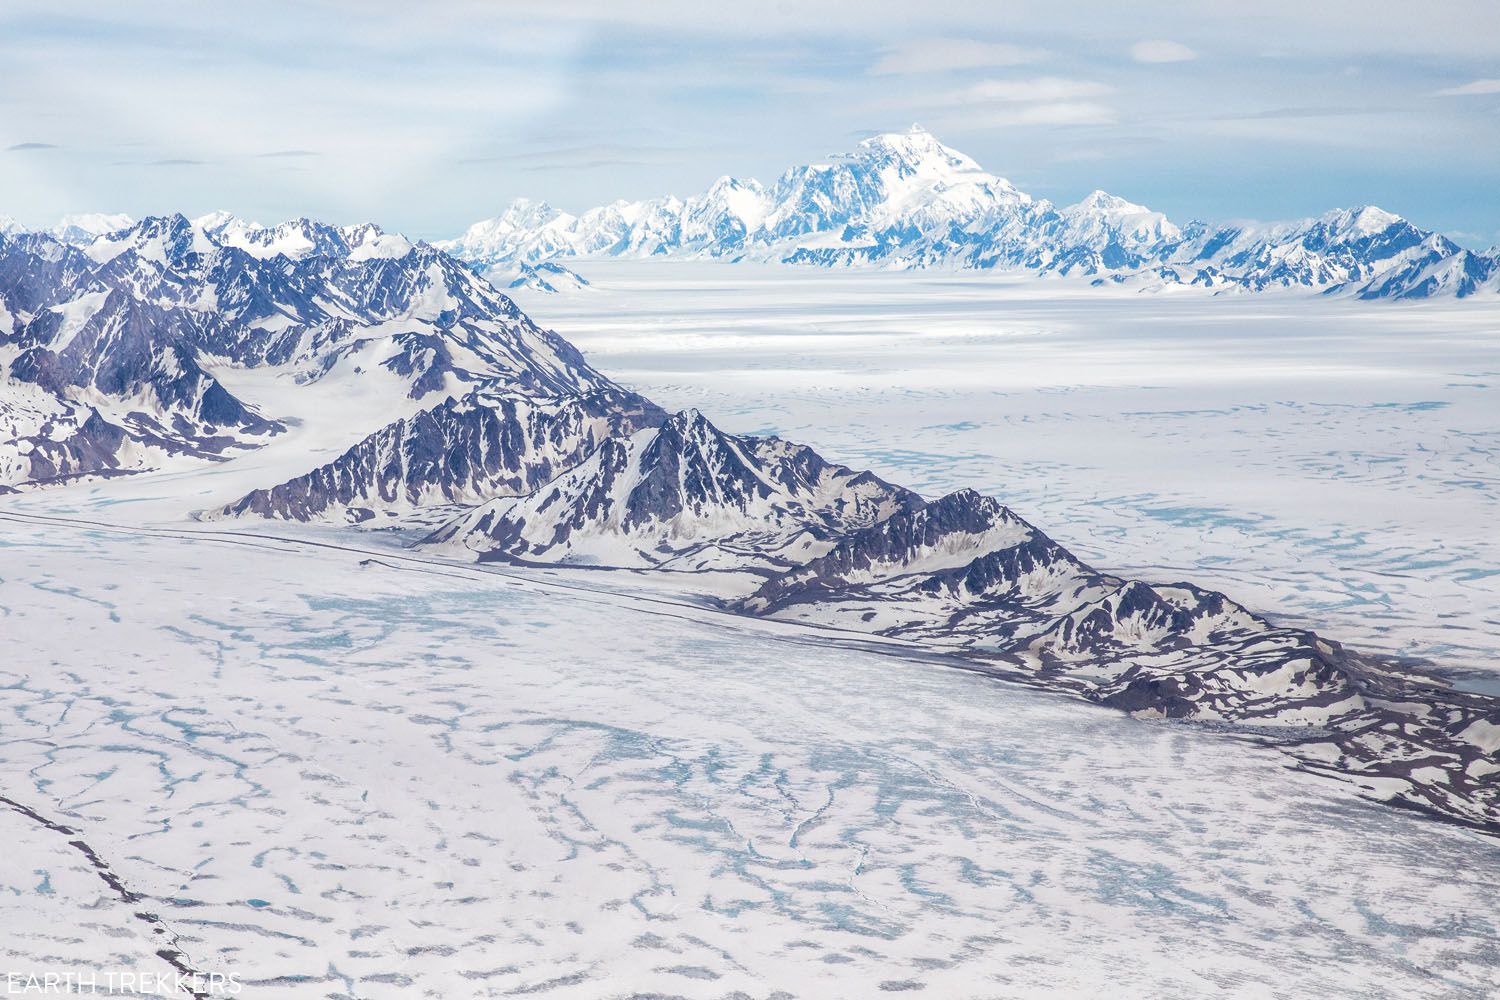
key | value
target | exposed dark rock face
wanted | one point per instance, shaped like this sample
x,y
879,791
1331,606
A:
x,y
132,326
683,495
93,448
131,348
842,549
487,443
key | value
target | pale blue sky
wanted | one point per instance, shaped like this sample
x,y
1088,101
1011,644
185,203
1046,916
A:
x,y
425,117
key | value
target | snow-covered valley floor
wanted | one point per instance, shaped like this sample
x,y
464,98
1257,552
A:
x,y
1334,463
337,772
336,767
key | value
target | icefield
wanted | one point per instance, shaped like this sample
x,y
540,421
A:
x,y
341,770
770,501
1333,460
275,706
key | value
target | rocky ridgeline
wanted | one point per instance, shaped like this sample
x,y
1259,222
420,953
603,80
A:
x,y
114,351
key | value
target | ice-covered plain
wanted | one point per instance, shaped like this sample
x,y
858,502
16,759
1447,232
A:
x,y
340,771
243,735
1336,461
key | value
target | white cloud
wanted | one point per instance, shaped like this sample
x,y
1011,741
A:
x,y
1041,88
1043,100
1053,113
937,55
1471,89
1161,50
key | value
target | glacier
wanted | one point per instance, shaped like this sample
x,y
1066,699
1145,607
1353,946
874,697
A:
x,y
364,638
336,769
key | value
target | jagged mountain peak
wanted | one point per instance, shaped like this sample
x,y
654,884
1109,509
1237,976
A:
x,y
903,199
692,423
923,537
548,276
726,183
302,237
135,324
682,494
218,219
167,240
525,211
85,227
171,237
887,182
1102,218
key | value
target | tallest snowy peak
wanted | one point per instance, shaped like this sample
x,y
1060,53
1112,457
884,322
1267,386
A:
x,y
1366,219
1103,201
915,148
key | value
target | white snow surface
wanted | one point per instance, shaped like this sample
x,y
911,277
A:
x,y
1334,462
340,771
337,769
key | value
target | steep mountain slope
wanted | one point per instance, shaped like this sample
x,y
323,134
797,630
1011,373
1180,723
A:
x,y
548,276
683,496
489,442
110,349
906,200
935,569
98,380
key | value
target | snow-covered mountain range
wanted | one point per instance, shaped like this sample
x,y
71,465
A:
x,y
355,376
111,348
905,200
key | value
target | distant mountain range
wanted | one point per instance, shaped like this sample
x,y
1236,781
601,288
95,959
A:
x,y
173,344
905,200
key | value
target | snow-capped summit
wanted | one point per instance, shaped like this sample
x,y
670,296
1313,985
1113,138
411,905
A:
x,y
896,193
219,220
726,214
298,238
904,199
916,150
526,232
164,239
86,227
1366,220
549,276
1102,212
524,213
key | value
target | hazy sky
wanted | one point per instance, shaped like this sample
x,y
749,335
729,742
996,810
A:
x,y
428,116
